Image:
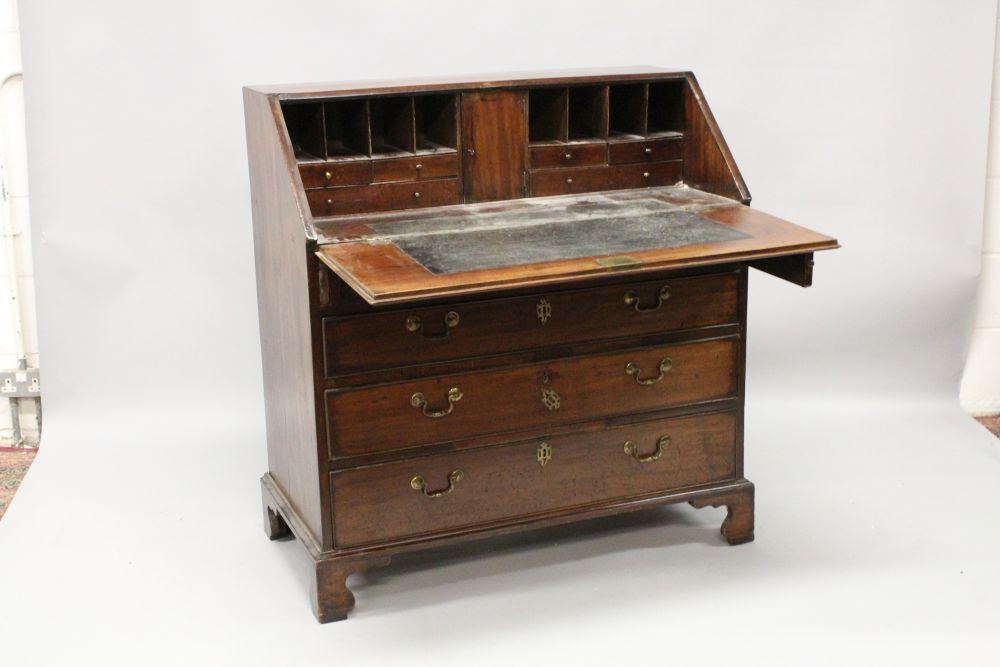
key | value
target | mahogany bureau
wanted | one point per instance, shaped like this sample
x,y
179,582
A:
x,y
494,305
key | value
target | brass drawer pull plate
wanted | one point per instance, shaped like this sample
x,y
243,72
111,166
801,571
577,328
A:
x,y
414,324
418,401
454,477
632,299
633,450
631,368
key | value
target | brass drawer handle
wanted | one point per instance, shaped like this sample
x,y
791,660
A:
x,y
633,450
631,368
632,299
418,401
454,477
414,324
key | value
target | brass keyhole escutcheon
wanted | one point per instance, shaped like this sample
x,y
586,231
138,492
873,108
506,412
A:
x,y
550,399
544,454
544,311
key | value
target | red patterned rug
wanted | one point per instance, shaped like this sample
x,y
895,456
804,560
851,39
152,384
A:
x,y
13,466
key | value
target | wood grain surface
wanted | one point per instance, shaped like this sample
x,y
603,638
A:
x,y
378,503
382,417
495,138
493,326
382,273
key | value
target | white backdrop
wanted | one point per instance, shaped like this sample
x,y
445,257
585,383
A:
x,y
136,535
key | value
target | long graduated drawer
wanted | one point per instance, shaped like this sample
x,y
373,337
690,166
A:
x,y
457,489
439,409
425,335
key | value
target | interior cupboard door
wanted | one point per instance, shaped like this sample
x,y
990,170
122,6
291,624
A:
x,y
495,140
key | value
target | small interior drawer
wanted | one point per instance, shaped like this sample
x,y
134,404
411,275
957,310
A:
x,y
383,196
647,175
546,182
440,409
415,168
569,155
453,490
329,174
653,150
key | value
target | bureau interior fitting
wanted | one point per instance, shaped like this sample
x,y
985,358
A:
x,y
493,305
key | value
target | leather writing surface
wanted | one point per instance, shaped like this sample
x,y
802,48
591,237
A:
x,y
367,251
520,242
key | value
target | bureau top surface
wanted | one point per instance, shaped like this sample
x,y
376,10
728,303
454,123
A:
x,y
472,248
463,81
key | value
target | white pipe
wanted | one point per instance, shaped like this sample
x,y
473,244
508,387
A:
x,y
9,237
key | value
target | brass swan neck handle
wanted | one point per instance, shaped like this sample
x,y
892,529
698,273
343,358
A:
x,y
454,477
632,368
420,402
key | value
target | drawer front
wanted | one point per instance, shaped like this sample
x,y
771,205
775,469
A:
x,y
654,150
546,182
646,175
416,168
568,155
427,335
383,197
397,500
330,174
441,409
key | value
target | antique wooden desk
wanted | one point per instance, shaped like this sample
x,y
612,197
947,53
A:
x,y
492,305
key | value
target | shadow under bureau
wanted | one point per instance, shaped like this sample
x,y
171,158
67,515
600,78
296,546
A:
x,y
488,306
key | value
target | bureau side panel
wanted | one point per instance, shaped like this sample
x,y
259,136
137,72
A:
x,y
280,252
741,370
708,163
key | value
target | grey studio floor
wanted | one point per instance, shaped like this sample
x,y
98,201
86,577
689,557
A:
x,y
877,543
